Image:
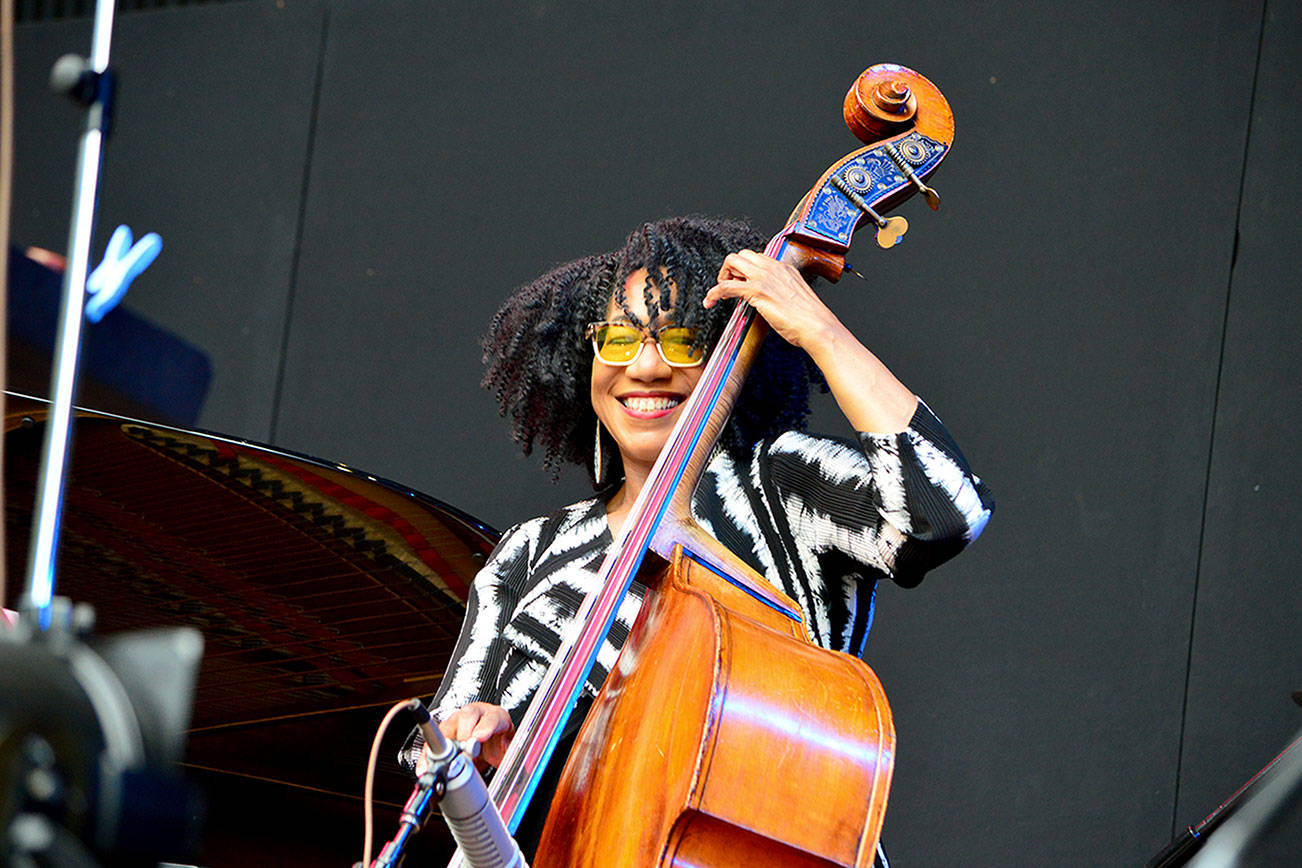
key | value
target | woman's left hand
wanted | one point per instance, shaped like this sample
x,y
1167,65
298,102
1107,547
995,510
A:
x,y
869,395
779,294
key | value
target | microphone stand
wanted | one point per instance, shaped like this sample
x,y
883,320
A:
x,y
90,83
94,776
463,799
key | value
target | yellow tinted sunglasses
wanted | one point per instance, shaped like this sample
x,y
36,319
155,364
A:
x,y
620,343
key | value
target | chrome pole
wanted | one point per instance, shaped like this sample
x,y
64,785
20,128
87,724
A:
x,y
38,601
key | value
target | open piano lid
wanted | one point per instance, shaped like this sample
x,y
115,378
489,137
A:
x,y
324,596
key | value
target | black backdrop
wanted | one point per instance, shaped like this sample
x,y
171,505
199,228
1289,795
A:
x,y
1103,313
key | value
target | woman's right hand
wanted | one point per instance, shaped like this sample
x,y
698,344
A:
x,y
488,724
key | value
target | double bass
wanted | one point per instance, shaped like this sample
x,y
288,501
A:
x,y
723,735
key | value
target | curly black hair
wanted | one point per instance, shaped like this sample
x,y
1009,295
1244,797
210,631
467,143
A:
x,y
540,364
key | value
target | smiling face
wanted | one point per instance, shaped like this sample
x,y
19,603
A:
x,y
639,404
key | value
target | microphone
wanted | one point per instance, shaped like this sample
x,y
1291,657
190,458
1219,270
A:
x,y
473,819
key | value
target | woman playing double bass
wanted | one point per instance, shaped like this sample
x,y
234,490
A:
x,y
593,360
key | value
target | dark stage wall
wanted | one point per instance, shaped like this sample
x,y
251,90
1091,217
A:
x,y
1103,312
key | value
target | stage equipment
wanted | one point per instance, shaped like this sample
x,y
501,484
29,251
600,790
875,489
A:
x,y
452,780
176,528
89,730
324,594
1246,818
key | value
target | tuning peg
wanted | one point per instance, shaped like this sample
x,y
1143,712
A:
x,y
932,197
890,231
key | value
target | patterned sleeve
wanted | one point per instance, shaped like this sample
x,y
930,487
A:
x,y
480,651
477,658
901,503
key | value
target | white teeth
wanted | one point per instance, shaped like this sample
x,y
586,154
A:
x,y
650,405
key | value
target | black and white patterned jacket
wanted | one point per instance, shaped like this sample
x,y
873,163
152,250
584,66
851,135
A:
x,y
821,518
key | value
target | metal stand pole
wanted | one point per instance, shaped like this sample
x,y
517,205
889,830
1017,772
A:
x,y
92,84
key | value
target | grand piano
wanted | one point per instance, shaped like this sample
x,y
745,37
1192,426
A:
x,y
324,596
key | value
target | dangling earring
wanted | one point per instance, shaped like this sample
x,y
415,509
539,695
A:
x,y
598,460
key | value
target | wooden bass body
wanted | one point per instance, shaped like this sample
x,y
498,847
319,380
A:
x,y
724,737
